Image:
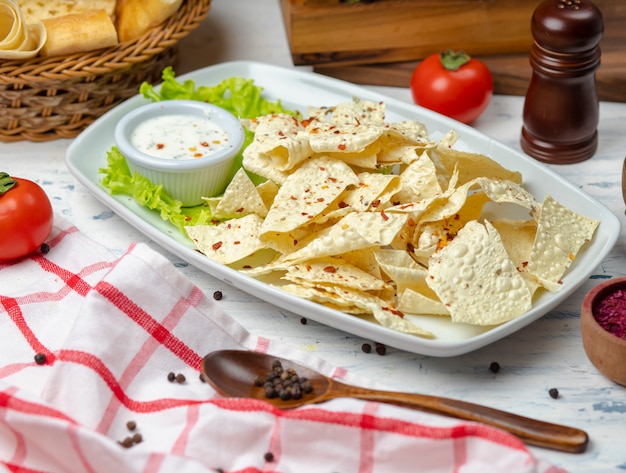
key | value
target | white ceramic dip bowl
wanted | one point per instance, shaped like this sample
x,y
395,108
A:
x,y
186,146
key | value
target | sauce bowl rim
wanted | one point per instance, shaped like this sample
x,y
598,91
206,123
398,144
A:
x,y
227,120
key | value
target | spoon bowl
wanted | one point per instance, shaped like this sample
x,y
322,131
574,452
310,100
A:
x,y
233,373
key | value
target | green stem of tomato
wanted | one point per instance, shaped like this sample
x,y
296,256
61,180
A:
x,y
453,60
6,182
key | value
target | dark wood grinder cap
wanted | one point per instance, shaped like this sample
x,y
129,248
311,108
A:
x,y
567,26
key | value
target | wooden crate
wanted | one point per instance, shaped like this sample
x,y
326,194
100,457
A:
x,y
380,43
383,31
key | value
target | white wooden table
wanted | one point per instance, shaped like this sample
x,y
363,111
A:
x,y
547,354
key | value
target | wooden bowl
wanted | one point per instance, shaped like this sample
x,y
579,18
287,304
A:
x,y
606,351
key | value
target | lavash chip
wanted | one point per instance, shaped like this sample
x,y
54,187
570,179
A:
x,y
332,272
241,197
345,231
230,241
561,233
476,280
306,193
281,143
332,137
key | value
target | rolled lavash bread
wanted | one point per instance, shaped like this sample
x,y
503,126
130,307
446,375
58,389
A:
x,y
37,10
135,17
79,32
18,40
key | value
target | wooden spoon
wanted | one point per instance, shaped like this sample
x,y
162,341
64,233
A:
x,y
233,373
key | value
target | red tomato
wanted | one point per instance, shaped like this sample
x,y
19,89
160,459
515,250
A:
x,y
453,84
25,217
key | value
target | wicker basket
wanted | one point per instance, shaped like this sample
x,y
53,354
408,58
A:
x,y
43,99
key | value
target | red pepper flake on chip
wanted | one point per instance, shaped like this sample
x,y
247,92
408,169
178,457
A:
x,y
374,218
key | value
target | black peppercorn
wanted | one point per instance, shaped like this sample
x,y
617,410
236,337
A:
x,y
217,295
127,442
283,383
303,321
494,366
44,248
131,425
554,393
180,378
40,358
269,456
381,349
171,377
366,347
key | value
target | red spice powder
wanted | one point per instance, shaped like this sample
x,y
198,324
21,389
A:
x,y
610,313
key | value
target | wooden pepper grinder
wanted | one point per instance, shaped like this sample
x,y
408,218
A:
x,y
561,105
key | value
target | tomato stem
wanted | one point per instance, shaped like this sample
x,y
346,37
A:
x,y
6,182
453,60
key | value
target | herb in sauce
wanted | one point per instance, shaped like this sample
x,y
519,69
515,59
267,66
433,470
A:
x,y
179,137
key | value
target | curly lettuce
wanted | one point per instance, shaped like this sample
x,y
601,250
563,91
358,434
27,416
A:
x,y
238,95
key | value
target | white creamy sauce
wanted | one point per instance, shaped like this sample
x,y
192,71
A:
x,y
179,137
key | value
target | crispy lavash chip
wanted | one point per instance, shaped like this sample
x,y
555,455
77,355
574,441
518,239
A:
x,y
561,233
356,302
230,241
518,237
256,162
473,165
357,111
329,271
395,320
268,191
419,181
306,193
410,132
396,154
476,280
364,259
355,231
281,141
374,191
502,192
415,302
431,235
335,138
329,299
364,159
240,198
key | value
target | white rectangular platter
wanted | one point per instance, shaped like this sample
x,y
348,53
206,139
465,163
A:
x,y
297,90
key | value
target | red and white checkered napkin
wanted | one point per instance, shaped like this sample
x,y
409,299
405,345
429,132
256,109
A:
x,y
112,329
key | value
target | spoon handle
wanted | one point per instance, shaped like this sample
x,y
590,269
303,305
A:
x,y
531,431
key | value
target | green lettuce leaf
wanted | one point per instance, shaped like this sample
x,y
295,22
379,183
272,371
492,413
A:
x,y
238,95
120,180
